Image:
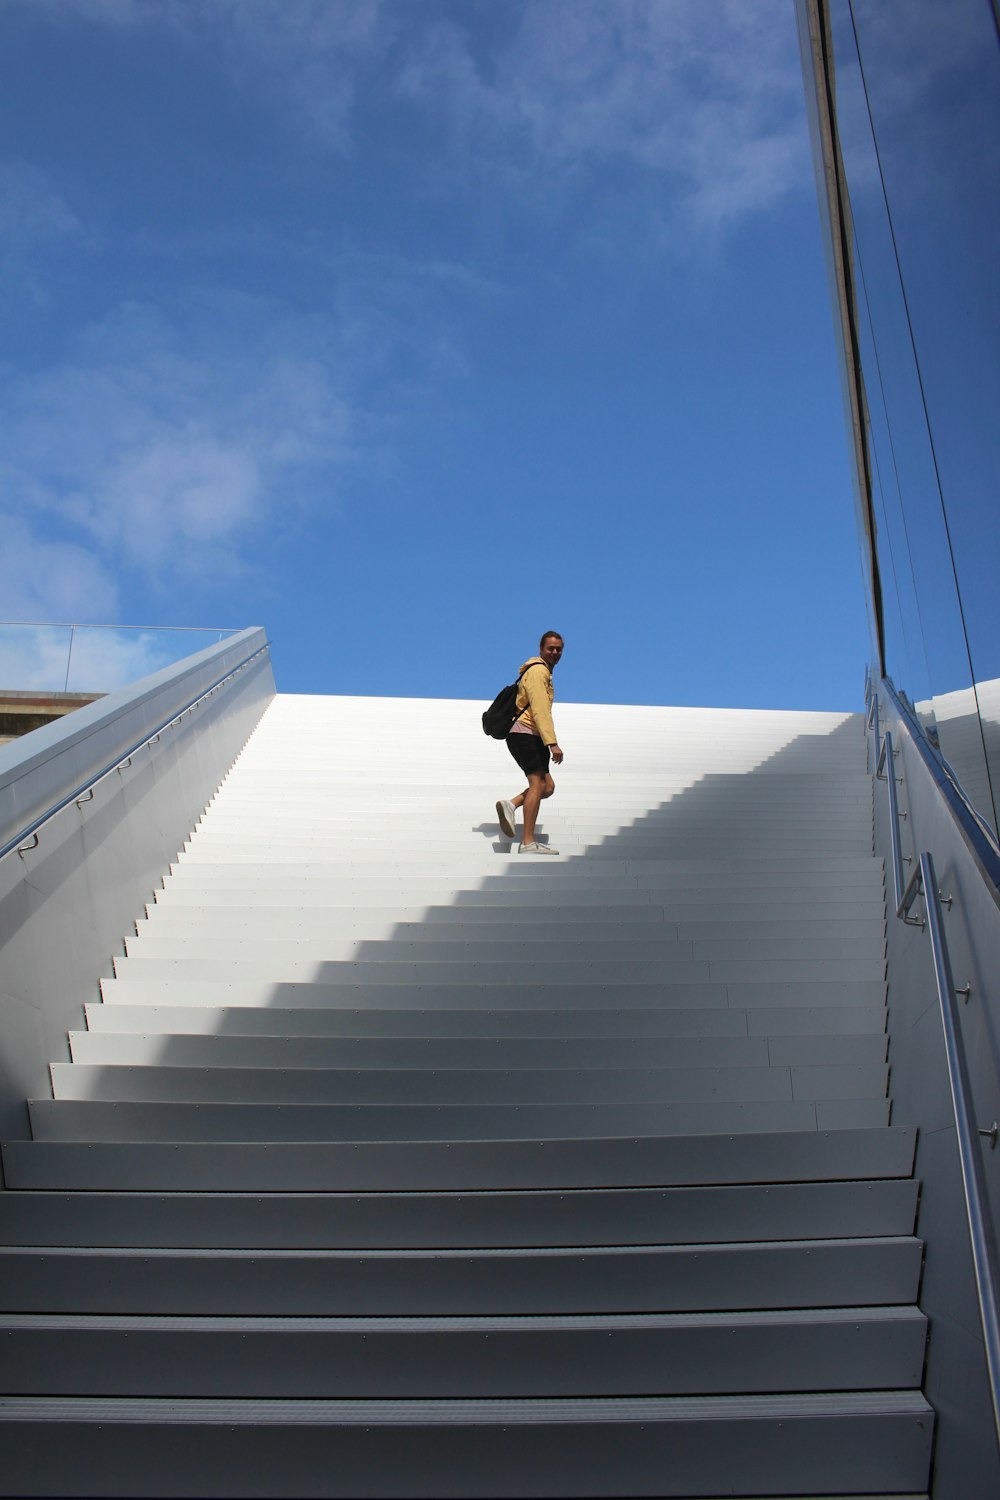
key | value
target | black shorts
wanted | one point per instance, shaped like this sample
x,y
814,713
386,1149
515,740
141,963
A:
x,y
530,753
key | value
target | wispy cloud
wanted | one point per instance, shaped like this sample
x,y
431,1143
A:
x,y
706,99
176,446
33,218
30,210
303,54
161,449
51,658
44,576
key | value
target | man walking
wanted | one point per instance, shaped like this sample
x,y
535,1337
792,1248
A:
x,y
532,741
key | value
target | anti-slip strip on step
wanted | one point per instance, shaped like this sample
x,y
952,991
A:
x,y
356,1253
817,1317
520,1412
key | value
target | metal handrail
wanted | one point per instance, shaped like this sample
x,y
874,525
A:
x,y
983,1258
903,896
873,721
20,844
924,882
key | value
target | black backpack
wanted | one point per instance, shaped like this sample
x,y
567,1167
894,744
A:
x,y
503,710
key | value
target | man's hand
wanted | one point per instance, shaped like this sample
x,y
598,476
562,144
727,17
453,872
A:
x,y
556,754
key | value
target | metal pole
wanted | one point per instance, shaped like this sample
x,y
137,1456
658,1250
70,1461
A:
x,y
69,656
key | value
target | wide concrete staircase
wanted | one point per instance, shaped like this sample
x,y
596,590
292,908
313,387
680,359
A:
x,y
393,1163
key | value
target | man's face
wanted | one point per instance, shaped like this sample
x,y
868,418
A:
x,y
551,651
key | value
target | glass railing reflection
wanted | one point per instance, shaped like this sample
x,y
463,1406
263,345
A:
x,y
958,737
48,657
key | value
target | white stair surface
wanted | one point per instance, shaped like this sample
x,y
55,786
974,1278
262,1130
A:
x,y
394,1162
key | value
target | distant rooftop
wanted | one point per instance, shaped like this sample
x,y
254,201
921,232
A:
x,y
21,712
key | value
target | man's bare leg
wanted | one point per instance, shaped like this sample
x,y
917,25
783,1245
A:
x,y
538,788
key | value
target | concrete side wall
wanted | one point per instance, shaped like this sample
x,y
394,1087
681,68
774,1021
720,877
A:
x,y
66,904
966,1461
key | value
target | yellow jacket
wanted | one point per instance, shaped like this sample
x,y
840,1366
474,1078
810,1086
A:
x,y
534,700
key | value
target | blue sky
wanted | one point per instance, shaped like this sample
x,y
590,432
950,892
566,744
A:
x,y
410,328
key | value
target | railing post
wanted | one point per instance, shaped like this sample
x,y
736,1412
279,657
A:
x,y
69,656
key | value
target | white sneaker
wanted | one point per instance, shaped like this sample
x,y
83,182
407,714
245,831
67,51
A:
x,y
536,849
505,817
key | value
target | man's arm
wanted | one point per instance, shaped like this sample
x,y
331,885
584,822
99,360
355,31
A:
x,y
535,679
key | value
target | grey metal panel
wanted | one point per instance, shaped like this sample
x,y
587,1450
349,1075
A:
x,y
840,1081
190,886
511,973
778,971
798,993
307,906
685,1215
462,1053
516,972
806,1020
427,1165
478,1086
627,944
382,1022
66,902
790,873
391,1358
817,1048
680,1446
851,1114
97,1120
276,994
63,755
456,1086
386,1283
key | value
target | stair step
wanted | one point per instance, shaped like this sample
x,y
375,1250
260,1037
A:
x,y
372,1166
511,970
99,1120
393,1163
484,1358
823,1022
479,1086
421,995
674,1215
208,931
388,1283
878,1442
153,949
792,871
635,1051
381,900
292,884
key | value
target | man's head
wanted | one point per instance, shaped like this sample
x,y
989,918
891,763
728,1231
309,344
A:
x,y
550,648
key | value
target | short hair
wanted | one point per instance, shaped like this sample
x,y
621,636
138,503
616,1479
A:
x,y
548,636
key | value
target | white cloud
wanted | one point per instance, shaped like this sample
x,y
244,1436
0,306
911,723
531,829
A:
x,y
50,658
162,451
303,53
30,210
45,577
33,218
707,97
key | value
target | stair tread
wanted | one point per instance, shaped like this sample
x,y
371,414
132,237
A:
x,y
381,1412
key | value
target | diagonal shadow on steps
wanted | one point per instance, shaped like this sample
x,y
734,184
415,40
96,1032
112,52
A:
x,y
747,911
